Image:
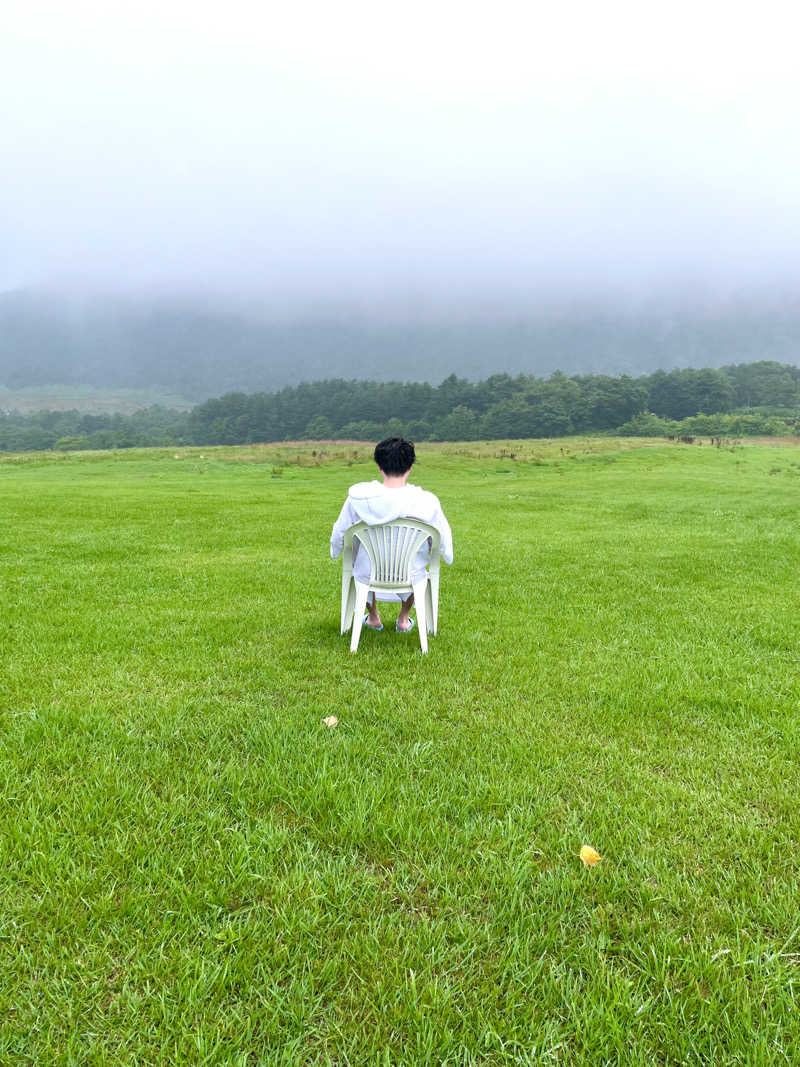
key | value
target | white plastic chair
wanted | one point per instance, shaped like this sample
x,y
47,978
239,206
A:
x,y
391,549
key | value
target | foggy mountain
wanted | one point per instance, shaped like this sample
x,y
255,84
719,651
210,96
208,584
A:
x,y
199,348
337,191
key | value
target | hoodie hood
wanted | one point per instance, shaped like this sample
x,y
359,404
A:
x,y
374,503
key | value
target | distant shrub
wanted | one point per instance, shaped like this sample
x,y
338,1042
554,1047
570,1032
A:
x,y
76,443
720,425
318,429
736,425
648,425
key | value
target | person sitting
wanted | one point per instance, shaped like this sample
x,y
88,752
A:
x,y
378,502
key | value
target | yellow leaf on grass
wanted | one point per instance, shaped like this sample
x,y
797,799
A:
x,y
330,720
589,856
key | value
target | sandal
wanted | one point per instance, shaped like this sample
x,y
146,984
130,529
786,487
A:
x,y
377,629
408,631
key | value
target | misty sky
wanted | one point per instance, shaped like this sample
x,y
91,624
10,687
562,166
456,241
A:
x,y
422,152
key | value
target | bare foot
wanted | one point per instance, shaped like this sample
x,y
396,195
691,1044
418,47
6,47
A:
x,y
404,623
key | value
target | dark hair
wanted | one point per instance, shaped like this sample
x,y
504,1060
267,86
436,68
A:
x,y
395,455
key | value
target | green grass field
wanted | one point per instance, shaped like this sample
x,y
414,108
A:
x,y
195,870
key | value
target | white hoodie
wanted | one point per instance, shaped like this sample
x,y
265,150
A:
x,y
375,503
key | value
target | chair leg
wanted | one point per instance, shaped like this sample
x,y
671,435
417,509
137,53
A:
x,y
348,602
420,595
434,591
358,614
429,609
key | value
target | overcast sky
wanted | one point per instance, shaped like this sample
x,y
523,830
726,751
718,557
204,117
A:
x,y
427,152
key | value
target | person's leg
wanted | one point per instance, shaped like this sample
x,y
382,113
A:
x,y
403,621
373,619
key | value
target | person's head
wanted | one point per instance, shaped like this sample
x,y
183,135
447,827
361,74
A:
x,y
395,456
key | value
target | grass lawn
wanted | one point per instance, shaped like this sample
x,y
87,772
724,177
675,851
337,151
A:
x,y
195,870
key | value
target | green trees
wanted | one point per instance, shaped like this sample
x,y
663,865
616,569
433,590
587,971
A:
x,y
70,430
461,424
318,429
746,398
681,393
765,384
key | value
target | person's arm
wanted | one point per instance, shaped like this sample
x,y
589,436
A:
x,y
346,519
446,534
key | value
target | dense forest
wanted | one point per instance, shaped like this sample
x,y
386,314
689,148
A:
x,y
198,348
750,398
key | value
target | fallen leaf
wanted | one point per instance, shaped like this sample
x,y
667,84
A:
x,y
589,856
331,720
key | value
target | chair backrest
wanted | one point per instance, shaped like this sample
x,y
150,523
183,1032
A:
x,y
391,548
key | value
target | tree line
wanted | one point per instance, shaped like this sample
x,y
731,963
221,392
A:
x,y
746,398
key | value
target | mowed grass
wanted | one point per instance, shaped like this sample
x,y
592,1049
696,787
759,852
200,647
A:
x,y
196,870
